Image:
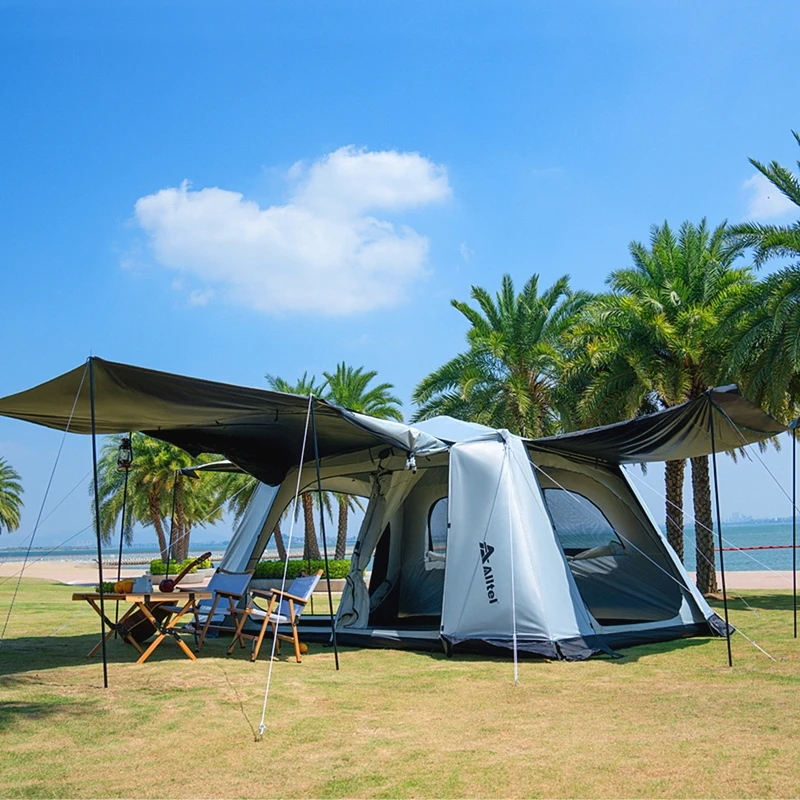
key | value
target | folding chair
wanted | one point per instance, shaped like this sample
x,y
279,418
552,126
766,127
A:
x,y
284,608
210,614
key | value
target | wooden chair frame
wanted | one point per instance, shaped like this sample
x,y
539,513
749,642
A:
x,y
274,596
232,598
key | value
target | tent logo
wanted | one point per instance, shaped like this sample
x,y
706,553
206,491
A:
x,y
488,575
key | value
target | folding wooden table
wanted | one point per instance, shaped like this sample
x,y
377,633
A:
x,y
146,602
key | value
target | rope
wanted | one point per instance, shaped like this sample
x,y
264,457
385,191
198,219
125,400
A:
x,y
41,508
262,725
748,455
705,527
49,552
621,536
52,511
757,646
213,511
69,622
697,551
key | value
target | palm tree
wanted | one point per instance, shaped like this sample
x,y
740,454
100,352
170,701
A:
x,y
767,320
236,491
10,497
508,377
305,386
349,387
656,340
153,487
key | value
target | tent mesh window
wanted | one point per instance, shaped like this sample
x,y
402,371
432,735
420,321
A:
x,y
437,526
579,524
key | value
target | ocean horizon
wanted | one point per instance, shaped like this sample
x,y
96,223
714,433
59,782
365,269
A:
x,y
762,534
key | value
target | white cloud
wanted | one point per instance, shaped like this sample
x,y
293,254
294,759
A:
x,y
766,201
323,251
466,251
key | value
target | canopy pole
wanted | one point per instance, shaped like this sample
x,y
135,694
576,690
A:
x,y
172,521
719,526
121,536
324,539
97,523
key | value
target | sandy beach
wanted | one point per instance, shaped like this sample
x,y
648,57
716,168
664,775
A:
x,y
82,573
74,573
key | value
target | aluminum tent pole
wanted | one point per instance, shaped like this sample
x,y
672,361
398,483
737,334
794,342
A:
x,y
121,537
719,526
97,523
172,521
324,540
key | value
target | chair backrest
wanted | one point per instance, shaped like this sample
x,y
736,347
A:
x,y
231,582
300,587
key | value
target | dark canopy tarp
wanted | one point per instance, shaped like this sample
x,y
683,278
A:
x,y
676,433
259,430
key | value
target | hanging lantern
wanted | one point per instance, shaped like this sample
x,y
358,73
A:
x,y
124,455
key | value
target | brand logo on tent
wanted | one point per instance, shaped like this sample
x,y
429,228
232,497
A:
x,y
488,575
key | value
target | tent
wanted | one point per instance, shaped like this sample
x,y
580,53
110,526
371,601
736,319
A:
x,y
475,538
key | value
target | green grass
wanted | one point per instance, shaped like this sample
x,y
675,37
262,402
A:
x,y
667,720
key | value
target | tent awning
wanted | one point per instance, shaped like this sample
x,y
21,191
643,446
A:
x,y
675,433
259,430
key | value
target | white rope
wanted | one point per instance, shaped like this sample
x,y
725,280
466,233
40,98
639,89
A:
x,y
621,536
213,511
748,454
69,622
698,552
41,507
697,524
262,726
49,552
757,646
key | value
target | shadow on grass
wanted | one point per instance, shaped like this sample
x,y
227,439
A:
x,y
13,712
22,655
632,653
766,602
32,653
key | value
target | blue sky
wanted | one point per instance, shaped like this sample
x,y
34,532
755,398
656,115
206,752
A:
x,y
232,190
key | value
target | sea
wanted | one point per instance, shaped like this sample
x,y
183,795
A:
x,y
761,534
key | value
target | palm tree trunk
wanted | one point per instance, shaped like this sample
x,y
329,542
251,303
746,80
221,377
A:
x,y
703,525
155,515
311,548
279,542
341,534
673,478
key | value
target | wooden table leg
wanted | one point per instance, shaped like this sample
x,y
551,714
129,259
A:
x,y
164,629
113,628
157,641
176,636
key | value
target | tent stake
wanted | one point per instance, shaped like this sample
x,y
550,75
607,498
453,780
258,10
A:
x,y
97,524
324,539
719,526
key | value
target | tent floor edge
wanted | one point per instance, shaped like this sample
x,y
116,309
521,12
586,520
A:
x,y
718,626
575,649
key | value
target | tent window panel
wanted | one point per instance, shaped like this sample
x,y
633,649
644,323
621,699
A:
x,y
579,524
437,527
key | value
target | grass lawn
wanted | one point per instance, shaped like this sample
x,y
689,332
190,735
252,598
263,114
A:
x,y
667,720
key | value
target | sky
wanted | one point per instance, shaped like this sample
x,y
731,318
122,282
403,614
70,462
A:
x,y
234,190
